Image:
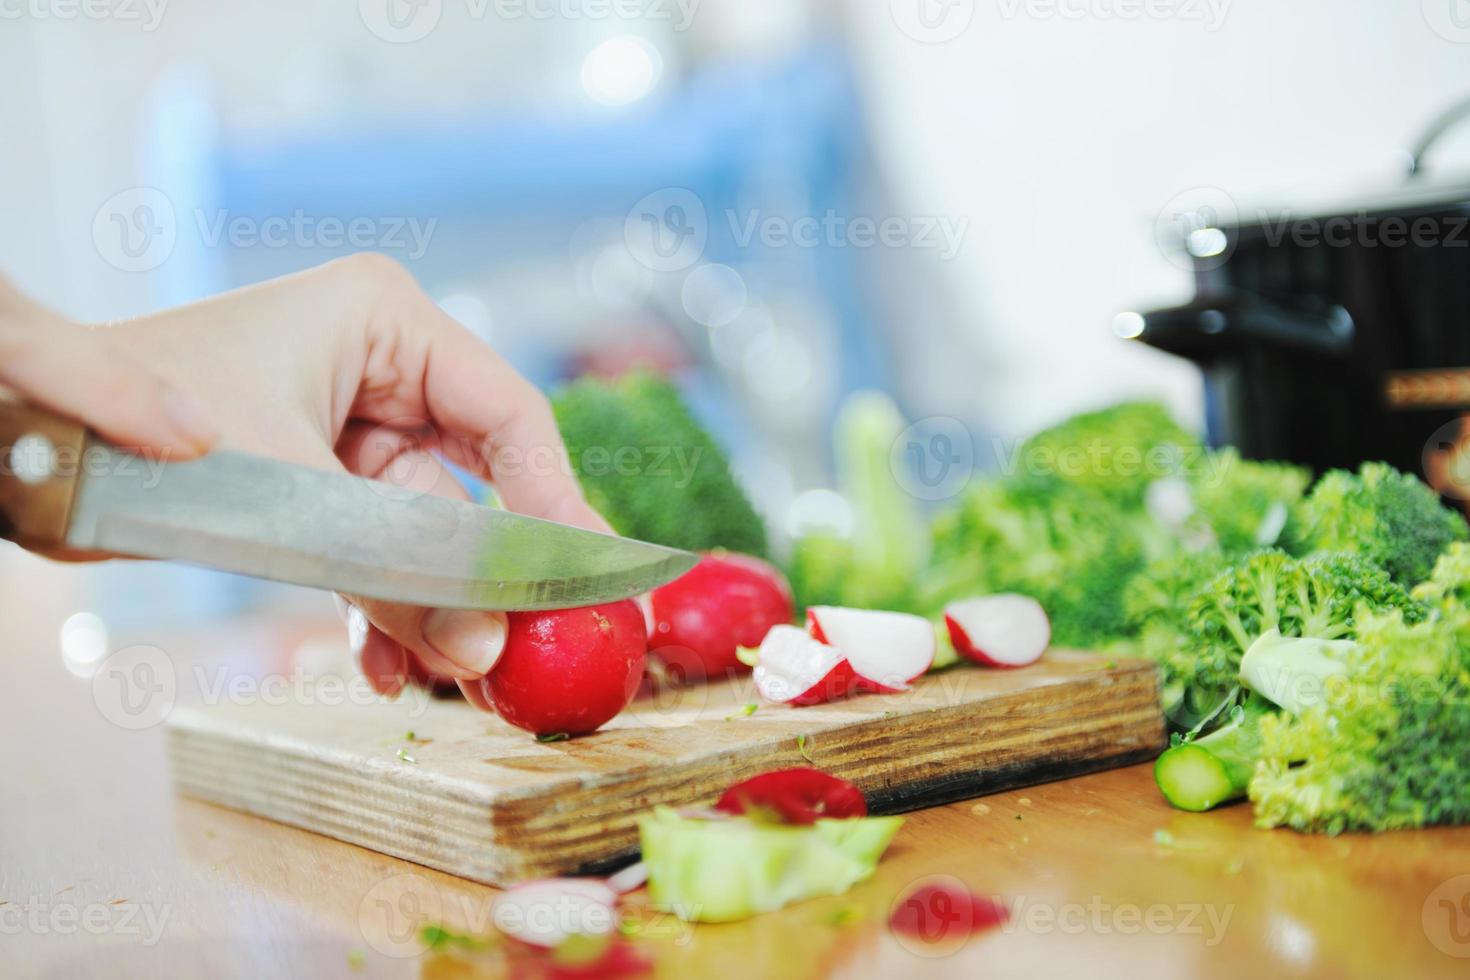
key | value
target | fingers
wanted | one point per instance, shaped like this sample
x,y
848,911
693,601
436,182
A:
x,y
382,660
452,643
83,375
490,419
458,643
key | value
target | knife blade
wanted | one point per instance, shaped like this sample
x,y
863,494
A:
x,y
269,519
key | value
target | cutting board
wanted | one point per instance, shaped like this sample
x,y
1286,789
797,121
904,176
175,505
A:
x,y
474,797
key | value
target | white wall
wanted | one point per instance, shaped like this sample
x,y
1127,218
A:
x,y
1062,138
1057,138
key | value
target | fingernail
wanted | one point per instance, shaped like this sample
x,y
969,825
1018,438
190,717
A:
x,y
189,418
357,627
473,640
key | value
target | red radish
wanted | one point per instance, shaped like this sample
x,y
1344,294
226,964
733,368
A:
x,y
1002,630
546,912
797,796
887,650
945,911
796,669
724,602
567,671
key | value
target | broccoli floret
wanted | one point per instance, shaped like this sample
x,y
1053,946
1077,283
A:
x,y
1315,597
1388,516
1450,580
1160,593
1244,505
1115,452
1390,749
1071,550
679,490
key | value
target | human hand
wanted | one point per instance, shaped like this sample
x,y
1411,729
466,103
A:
x,y
351,366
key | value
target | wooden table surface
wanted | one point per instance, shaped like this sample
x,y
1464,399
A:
x,y
104,872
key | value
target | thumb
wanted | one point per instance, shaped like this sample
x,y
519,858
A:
x,y
74,371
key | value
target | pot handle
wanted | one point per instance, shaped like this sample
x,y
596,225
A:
x,y
1442,123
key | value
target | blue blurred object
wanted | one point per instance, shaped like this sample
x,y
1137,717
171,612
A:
x,y
779,139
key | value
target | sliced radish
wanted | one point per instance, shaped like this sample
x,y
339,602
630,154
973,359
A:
x,y
796,669
887,650
1002,630
547,912
796,796
630,879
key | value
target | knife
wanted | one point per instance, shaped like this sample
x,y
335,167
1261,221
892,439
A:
x,y
63,486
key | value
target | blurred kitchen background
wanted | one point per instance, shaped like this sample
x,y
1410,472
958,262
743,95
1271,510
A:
x,y
775,201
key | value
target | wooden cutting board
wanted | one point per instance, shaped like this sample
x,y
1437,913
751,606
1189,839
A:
x,y
474,797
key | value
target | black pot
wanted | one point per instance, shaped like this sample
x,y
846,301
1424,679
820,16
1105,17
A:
x,y
1333,336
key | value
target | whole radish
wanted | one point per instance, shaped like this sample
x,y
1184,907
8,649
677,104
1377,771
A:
x,y
568,671
724,602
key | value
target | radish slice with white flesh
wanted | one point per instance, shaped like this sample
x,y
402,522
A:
x,y
547,912
1003,630
796,669
630,879
887,650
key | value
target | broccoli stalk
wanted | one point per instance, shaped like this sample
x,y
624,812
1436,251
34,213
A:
x,y
1200,773
874,566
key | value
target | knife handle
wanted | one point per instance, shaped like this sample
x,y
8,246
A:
x,y
40,466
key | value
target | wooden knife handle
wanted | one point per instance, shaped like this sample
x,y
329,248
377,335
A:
x,y
40,462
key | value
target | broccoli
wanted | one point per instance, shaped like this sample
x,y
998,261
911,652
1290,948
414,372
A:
x,y
1199,650
1070,549
1115,452
1388,516
1243,504
1388,750
1450,580
681,493
1314,597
